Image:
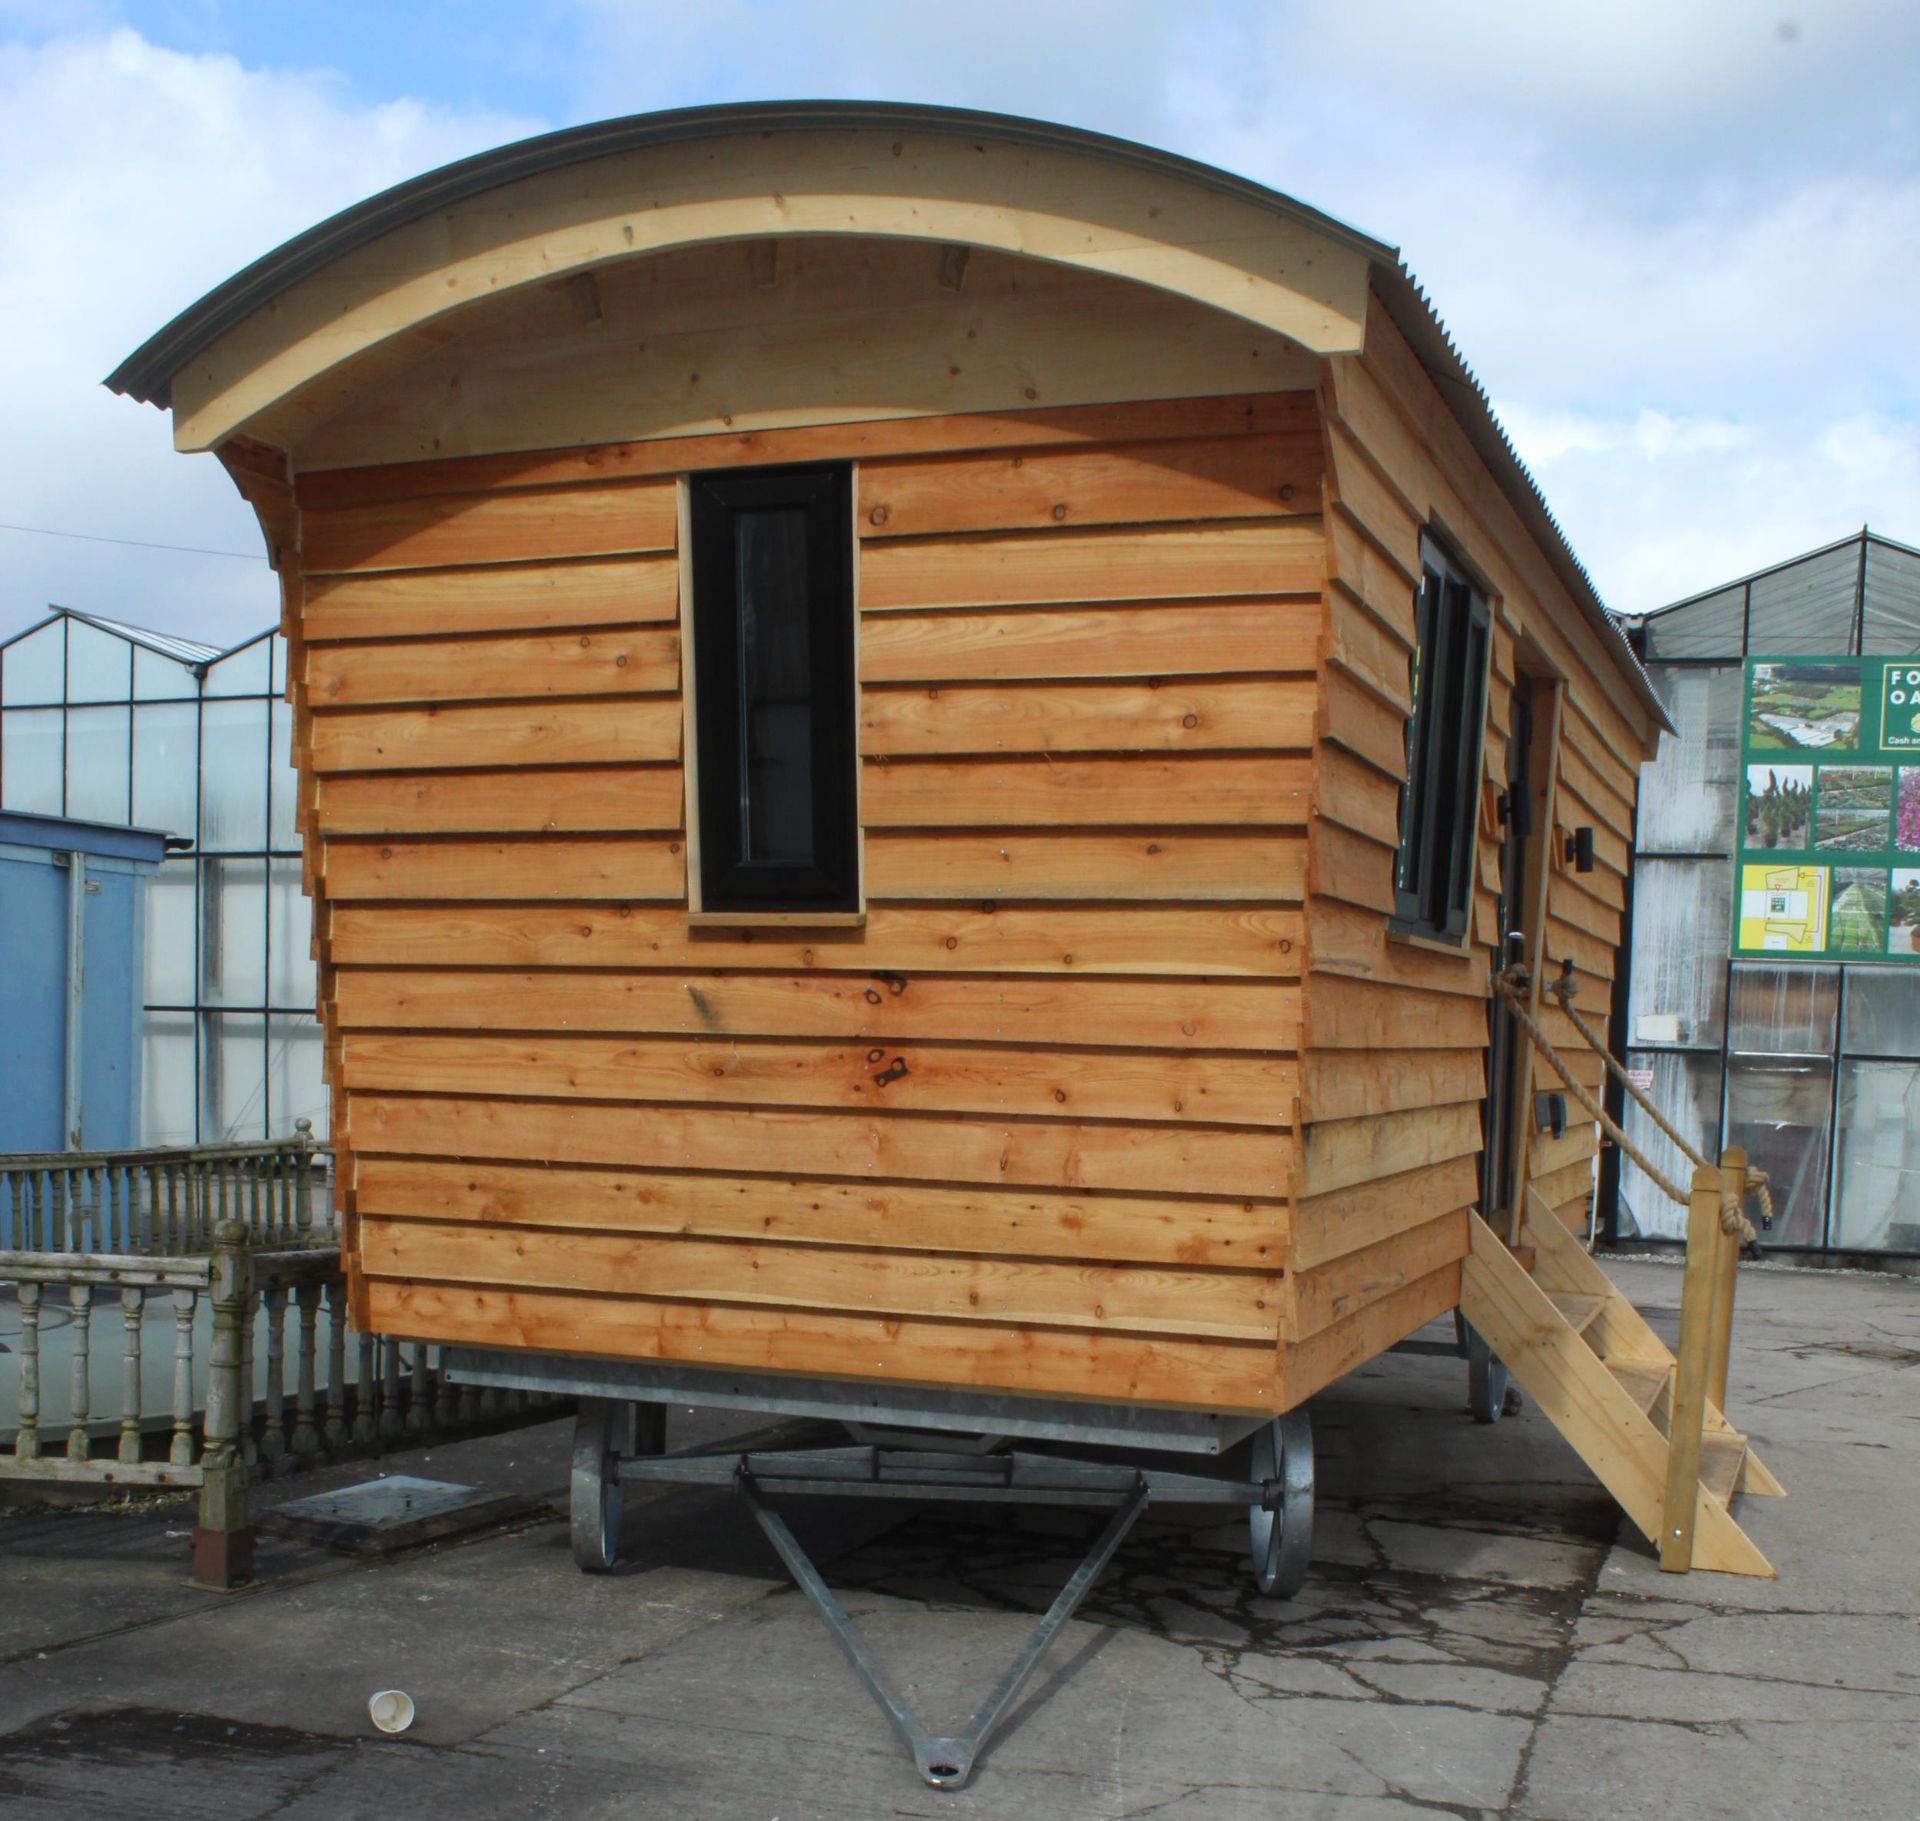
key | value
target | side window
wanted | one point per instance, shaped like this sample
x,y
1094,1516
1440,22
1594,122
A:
x,y
1440,801
773,690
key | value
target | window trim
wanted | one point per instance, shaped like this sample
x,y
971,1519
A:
x,y
1425,908
743,910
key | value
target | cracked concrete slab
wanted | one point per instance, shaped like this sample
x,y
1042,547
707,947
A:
x,y
1479,1638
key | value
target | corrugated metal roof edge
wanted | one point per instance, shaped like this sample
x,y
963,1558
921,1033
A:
x,y
147,373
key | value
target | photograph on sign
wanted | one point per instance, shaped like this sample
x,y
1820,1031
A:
x,y
1857,923
1906,811
1779,806
1808,705
1904,911
1851,813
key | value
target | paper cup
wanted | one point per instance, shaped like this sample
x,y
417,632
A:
x,y
391,1709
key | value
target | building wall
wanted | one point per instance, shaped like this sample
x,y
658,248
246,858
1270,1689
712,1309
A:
x,y
103,727
1032,1125
1813,1067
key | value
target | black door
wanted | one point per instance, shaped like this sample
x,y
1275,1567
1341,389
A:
x,y
1506,1042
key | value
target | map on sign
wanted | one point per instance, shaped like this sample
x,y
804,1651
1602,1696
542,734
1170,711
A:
x,y
1829,824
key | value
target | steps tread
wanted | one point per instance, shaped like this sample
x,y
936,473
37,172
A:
x,y
1580,1311
1721,1458
1644,1382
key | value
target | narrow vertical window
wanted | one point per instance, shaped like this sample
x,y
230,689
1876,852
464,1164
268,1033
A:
x,y
1440,801
772,574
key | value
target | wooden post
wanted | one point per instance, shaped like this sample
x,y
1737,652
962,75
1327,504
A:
x,y
223,1540
1690,1376
1733,1171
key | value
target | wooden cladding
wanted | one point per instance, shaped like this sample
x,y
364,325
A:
x,y
1034,1119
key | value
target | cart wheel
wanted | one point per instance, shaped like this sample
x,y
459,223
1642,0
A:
x,y
1486,1380
1281,1536
596,1503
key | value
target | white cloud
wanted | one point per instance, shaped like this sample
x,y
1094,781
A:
x,y
136,179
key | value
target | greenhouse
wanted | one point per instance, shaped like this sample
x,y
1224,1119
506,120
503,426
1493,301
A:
x,y
104,722
1812,1064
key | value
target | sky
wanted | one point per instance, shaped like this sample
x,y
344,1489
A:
x,y
1678,242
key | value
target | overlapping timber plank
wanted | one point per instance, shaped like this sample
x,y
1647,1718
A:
x,y
1239,1089
1202,1014
1048,791
1350,1084
1343,1153
1225,1305
1343,1286
1252,556
1313,1364
456,529
906,1216
1184,715
903,1147
641,867
1150,639
1242,941
1207,1375
1134,483
878,439
504,734
1331,1225
603,799
1368,1014
512,598
1248,865
626,660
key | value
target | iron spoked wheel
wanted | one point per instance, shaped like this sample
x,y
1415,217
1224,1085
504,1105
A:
x,y
1280,1534
595,1504
1486,1379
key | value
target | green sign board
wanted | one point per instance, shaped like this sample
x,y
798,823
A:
x,y
1829,831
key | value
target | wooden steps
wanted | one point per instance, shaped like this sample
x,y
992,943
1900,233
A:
x,y
1592,1364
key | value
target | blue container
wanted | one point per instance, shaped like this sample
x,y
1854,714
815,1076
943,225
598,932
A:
x,y
72,938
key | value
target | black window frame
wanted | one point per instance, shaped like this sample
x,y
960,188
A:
x,y
727,878
1446,737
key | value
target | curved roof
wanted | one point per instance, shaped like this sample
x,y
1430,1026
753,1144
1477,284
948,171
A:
x,y
148,373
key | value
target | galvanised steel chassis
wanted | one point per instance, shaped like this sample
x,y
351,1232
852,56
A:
x,y
920,1444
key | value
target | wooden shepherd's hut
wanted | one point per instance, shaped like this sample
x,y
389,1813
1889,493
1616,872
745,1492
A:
x,y
919,735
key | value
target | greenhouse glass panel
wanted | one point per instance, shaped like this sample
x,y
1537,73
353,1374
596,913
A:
x,y
166,759
30,760
1686,1089
282,781
169,970
1890,625
278,681
1807,607
233,776
1883,1013
1778,1110
166,1078
233,932
33,669
244,672
98,744
1680,930
99,664
1688,794
1783,1011
233,1076
1712,627
296,1084
290,975
1876,1178
161,679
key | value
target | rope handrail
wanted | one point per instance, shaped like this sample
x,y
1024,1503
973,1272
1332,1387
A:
x,y
1511,984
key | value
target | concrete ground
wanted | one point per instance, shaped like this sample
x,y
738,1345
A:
x,y
1478,1638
